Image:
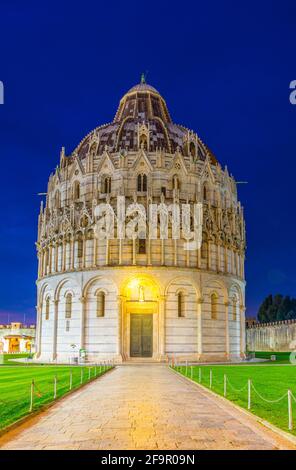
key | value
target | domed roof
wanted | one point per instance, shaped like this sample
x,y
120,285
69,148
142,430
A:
x,y
143,108
143,86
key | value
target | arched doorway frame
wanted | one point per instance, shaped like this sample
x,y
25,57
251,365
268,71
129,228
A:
x,y
153,306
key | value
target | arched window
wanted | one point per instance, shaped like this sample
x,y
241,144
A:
x,y
234,308
143,142
181,309
142,246
107,185
79,247
204,250
68,311
214,306
139,183
76,190
100,304
142,183
205,193
57,199
176,182
47,307
192,150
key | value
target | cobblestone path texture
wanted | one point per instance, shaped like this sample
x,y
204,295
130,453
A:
x,y
142,406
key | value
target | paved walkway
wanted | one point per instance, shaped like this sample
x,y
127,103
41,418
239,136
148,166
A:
x,y
142,407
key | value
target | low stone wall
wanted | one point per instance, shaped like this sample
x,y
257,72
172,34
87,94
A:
x,y
277,336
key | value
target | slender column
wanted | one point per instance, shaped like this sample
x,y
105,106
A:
x,y
218,258
162,252
242,310
161,325
123,332
149,252
134,251
175,252
83,251
73,253
199,258
82,323
232,261
227,345
56,256
209,255
55,330
120,303
95,248
45,262
39,264
225,259
50,259
39,329
187,257
64,255
199,326
120,251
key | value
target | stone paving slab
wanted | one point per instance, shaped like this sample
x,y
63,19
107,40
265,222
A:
x,y
142,407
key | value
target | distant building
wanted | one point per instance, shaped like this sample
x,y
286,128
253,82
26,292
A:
x,y
273,336
252,321
17,338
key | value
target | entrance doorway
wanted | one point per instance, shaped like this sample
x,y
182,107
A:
x,y
141,337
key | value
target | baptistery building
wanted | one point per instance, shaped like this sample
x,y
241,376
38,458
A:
x,y
140,298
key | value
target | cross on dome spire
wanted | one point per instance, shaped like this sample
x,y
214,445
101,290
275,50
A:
x,y
143,77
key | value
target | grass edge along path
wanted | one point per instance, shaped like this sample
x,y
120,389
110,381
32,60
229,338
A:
x,y
39,393
254,393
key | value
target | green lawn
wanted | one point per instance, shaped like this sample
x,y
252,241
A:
x,y
6,358
271,381
15,387
283,357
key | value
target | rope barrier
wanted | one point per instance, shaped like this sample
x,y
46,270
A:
x,y
265,399
237,390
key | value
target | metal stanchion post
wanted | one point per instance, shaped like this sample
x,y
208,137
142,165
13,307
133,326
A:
x,y
249,393
290,416
32,396
55,387
71,378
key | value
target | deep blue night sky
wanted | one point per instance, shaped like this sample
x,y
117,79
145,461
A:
x,y
224,70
